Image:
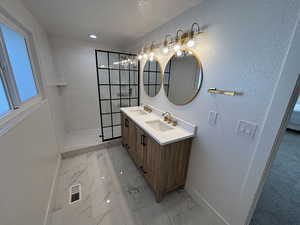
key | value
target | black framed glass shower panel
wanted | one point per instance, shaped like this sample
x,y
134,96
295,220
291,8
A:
x,y
118,86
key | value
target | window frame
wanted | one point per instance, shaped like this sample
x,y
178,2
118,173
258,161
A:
x,y
7,76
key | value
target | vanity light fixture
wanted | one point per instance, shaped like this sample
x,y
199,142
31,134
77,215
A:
x,y
140,54
143,53
165,48
145,56
191,41
178,40
151,54
176,47
187,39
179,53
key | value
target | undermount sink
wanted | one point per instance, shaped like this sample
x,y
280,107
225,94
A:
x,y
138,112
159,125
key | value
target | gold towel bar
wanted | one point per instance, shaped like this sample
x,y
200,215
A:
x,y
222,92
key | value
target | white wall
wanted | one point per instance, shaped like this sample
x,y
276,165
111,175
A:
x,y
242,50
29,151
28,159
76,65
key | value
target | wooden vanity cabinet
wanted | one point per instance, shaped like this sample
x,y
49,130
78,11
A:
x,y
141,147
164,167
132,137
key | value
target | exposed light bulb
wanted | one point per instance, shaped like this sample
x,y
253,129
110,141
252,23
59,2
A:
x,y
190,43
176,47
179,53
151,54
165,50
145,56
93,36
140,57
151,58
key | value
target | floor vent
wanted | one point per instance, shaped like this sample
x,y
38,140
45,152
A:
x,y
75,193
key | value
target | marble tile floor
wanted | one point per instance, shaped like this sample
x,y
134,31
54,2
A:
x,y
115,193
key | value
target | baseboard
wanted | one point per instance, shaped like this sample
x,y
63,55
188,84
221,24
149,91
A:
x,y
50,200
83,150
202,201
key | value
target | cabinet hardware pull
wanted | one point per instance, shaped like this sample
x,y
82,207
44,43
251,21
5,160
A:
x,y
141,139
142,168
126,122
144,144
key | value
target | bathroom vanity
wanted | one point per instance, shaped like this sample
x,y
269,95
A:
x,y
161,151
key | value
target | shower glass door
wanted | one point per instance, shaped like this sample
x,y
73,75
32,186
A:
x,y
118,86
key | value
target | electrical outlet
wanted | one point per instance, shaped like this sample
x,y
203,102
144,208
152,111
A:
x,y
246,128
212,118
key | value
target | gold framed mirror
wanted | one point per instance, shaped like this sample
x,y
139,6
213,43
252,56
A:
x,y
183,77
152,77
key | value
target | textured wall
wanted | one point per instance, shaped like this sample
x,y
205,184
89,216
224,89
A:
x,y
243,50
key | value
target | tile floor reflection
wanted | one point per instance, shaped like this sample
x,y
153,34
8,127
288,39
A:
x,y
115,193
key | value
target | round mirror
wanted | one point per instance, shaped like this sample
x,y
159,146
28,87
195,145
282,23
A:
x,y
152,78
183,78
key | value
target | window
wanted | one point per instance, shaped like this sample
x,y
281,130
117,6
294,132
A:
x,y
17,79
4,106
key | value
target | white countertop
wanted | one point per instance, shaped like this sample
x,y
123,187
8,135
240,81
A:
x,y
180,132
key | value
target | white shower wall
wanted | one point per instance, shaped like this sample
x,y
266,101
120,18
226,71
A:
x,y
76,66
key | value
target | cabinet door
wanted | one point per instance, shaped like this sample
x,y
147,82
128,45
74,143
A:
x,y
132,136
140,147
151,162
125,126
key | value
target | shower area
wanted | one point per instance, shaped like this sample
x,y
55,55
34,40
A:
x,y
118,86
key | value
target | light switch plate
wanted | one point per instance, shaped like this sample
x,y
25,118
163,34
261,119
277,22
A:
x,y
246,128
212,118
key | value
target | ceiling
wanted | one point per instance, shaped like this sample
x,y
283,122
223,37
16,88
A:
x,y
116,22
